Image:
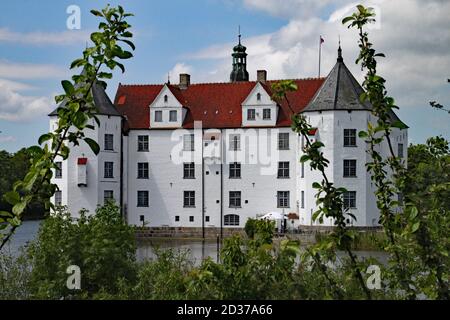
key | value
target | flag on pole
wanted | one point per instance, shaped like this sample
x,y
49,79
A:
x,y
320,50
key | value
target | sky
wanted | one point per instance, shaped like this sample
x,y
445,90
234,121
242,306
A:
x,y
197,37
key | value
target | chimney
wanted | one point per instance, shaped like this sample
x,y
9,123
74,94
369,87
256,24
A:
x,y
185,80
261,76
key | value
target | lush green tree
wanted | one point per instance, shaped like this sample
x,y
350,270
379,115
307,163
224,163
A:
x,y
102,245
14,167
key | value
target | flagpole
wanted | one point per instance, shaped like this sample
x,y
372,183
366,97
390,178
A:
x,y
320,51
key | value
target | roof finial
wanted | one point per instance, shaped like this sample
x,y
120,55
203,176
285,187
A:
x,y
239,32
339,58
168,77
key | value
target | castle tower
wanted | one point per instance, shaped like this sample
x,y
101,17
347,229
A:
x,y
86,180
239,72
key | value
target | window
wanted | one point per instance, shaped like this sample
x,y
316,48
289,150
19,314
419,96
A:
x,y
109,142
177,218
142,170
188,142
266,114
258,96
142,143
350,199
283,199
158,116
58,198
109,170
166,98
235,170
189,170
142,200
108,195
400,150
251,114
206,218
283,169
191,218
349,168
173,116
349,137
235,142
235,199
302,203
302,168
58,170
283,141
189,199
231,220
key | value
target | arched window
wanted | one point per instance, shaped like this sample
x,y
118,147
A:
x,y
258,97
166,98
231,220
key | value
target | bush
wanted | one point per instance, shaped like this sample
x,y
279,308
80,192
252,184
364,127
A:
x,y
102,245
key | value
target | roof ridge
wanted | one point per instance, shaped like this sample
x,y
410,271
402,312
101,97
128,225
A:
x,y
221,83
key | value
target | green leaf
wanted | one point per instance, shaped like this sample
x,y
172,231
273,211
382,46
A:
x,y
96,13
347,19
93,145
77,63
363,134
131,44
19,207
68,87
45,137
316,185
415,227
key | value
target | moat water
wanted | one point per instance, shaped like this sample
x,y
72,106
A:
x,y
196,249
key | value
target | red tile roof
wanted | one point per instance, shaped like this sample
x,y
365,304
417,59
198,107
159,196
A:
x,y
217,105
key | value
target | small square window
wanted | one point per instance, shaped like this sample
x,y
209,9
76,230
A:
x,y
142,143
349,137
158,116
266,114
350,199
251,114
173,116
191,218
349,168
207,218
177,218
189,199
142,198
235,199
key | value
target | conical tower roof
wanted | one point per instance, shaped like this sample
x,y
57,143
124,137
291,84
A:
x,y
340,91
101,101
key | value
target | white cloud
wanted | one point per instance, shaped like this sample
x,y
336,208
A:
x,y
14,70
177,70
6,139
65,38
18,108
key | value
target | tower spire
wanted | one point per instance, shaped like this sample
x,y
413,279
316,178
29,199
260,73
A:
x,y
239,72
339,58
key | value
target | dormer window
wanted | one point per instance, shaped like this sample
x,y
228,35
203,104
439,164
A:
x,y
158,116
258,97
173,116
266,114
166,98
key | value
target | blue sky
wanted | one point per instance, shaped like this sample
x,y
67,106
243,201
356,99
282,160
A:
x,y
197,36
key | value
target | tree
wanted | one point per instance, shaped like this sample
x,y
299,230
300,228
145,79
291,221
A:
x,y
73,118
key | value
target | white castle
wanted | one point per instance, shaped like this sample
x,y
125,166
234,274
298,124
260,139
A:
x,y
213,155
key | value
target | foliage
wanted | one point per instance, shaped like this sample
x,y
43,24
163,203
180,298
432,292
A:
x,y
14,277
13,167
101,245
78,108
260,230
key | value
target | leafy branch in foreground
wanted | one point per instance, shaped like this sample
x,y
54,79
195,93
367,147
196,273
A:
x,y
418,260
329,199
78,108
